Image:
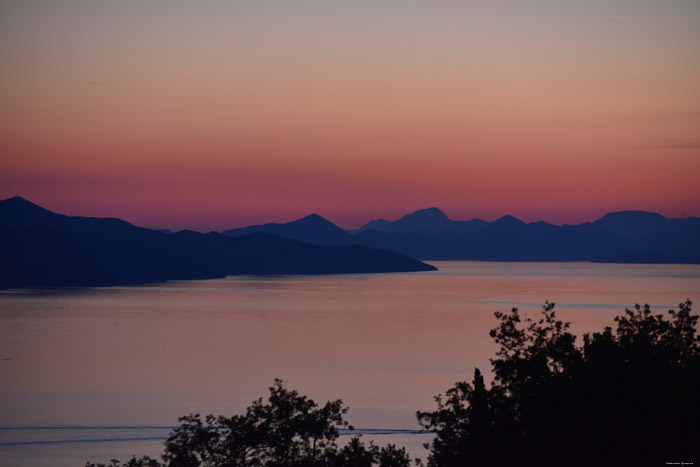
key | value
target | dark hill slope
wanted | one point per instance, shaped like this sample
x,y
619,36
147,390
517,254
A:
x,y
43,249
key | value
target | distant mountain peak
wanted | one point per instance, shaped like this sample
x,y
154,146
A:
x,y
18,206
631,215
432,214
508,219
313,217
634,223
381,220
19,202
311,229
432,211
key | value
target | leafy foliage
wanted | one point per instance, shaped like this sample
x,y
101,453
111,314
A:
x,y
288,431
627,397
144,461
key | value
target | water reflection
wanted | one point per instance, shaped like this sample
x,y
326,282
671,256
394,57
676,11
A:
x,y
385,344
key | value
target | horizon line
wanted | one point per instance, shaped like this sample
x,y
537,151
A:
x,y
199,230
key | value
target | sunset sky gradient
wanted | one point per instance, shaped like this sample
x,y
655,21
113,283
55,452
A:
x,y
219,114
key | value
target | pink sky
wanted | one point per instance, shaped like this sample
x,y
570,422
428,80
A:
x,y
221,114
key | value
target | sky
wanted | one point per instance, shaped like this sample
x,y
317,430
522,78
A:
x,y
218,114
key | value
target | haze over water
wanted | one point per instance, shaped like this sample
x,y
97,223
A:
x,y
384,343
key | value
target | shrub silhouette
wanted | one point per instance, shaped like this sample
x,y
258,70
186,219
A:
x,y
628,397
288,431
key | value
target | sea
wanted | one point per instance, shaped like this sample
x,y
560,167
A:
x,y
101,373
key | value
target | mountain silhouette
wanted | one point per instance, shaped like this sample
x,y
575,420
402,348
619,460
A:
x,y
40,248
430,218
655,233
509,221
317,230
431,222
311,229
18,212
627,236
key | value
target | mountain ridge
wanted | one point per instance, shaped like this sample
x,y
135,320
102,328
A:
x,y
312,228
41,248
624,236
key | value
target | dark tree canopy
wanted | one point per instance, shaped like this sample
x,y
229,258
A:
x,y
288,431
625,397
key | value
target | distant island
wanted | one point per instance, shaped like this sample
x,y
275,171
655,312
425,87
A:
x,y
428,234
40,248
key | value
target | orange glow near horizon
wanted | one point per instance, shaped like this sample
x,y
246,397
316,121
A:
x,y
182,116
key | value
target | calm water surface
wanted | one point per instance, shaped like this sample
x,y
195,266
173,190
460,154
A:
x,y
138,357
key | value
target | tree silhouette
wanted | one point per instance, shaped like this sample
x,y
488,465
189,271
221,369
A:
x,y
628,397
289,430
